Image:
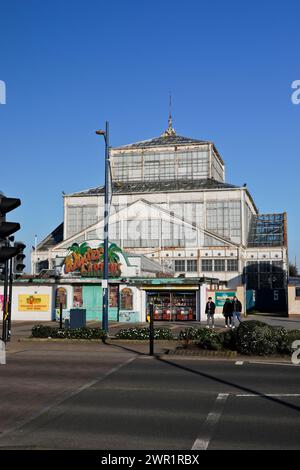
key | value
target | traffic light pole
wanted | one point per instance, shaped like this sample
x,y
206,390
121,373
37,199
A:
x,y
7,253
4,317
151,330
11,275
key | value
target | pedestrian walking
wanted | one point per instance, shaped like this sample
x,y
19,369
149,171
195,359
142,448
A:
x,y
210,312
227,312
237,311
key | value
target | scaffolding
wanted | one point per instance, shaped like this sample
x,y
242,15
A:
x,y
267,230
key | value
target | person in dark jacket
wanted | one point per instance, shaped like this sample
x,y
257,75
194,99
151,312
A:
x,y
237,311
210,312
227,312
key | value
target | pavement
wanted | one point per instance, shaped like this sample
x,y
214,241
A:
x,y
107,396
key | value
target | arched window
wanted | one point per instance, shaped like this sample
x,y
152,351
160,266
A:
x,y
127,299
61,297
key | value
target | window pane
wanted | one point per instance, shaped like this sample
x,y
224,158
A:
x,y
219,265
232,265
206,265
180,265
192,265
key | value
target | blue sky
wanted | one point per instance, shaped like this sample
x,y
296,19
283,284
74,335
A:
x,y
69,65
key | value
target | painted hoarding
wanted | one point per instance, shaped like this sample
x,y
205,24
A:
x,y
220,297
33,303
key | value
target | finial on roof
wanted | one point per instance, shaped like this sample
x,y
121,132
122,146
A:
x,y
170,130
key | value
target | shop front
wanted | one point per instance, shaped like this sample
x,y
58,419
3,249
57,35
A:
x,y
82,269
173,305
173,299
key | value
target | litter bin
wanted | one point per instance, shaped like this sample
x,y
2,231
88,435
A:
x,y
77,318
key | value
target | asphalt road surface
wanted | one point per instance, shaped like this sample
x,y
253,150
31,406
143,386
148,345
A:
x,y
86,396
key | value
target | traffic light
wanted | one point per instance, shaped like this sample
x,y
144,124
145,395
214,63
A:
x,y
2,272
7,253
7,204
18,262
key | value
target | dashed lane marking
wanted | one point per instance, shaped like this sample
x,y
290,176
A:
x,y
202,442
274,395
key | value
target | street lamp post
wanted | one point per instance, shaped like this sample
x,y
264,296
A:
x,y
106,222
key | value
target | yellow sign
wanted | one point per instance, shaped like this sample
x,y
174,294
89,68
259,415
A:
x,y
33,303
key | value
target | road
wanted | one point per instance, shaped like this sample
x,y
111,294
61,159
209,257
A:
x,y
94,396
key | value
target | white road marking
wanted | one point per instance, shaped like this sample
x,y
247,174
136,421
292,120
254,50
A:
x,y
202,442
146,357
278,395
274,363
239,363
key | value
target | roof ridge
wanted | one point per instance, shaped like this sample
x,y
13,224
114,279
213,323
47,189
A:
x,y
163,185
164,139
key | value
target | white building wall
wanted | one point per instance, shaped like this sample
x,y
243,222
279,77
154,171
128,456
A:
x,y
34,315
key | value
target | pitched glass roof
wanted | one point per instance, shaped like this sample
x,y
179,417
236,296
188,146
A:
x,y
163,141
159,186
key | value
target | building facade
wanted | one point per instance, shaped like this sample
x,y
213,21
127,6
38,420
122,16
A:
x,y
171,205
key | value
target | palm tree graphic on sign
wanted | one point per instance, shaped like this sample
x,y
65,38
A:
x,y
113,251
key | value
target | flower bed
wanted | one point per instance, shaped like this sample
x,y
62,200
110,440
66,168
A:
x,y
250,338
143,333
41,331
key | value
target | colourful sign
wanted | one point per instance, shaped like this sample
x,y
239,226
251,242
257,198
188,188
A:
x,y
89,261
220,297
77,297
33,303
1,302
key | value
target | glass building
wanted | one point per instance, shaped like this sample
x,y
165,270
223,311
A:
x,y
170,203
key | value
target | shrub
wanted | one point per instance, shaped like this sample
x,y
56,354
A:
x,y
143,333
209,339
257,338
286,341
228,339
41,331
191,334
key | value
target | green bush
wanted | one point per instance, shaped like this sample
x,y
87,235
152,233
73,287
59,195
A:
x,y
252,337
41,331
257,338
286,341
191,334
209,339
143,333
228,339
